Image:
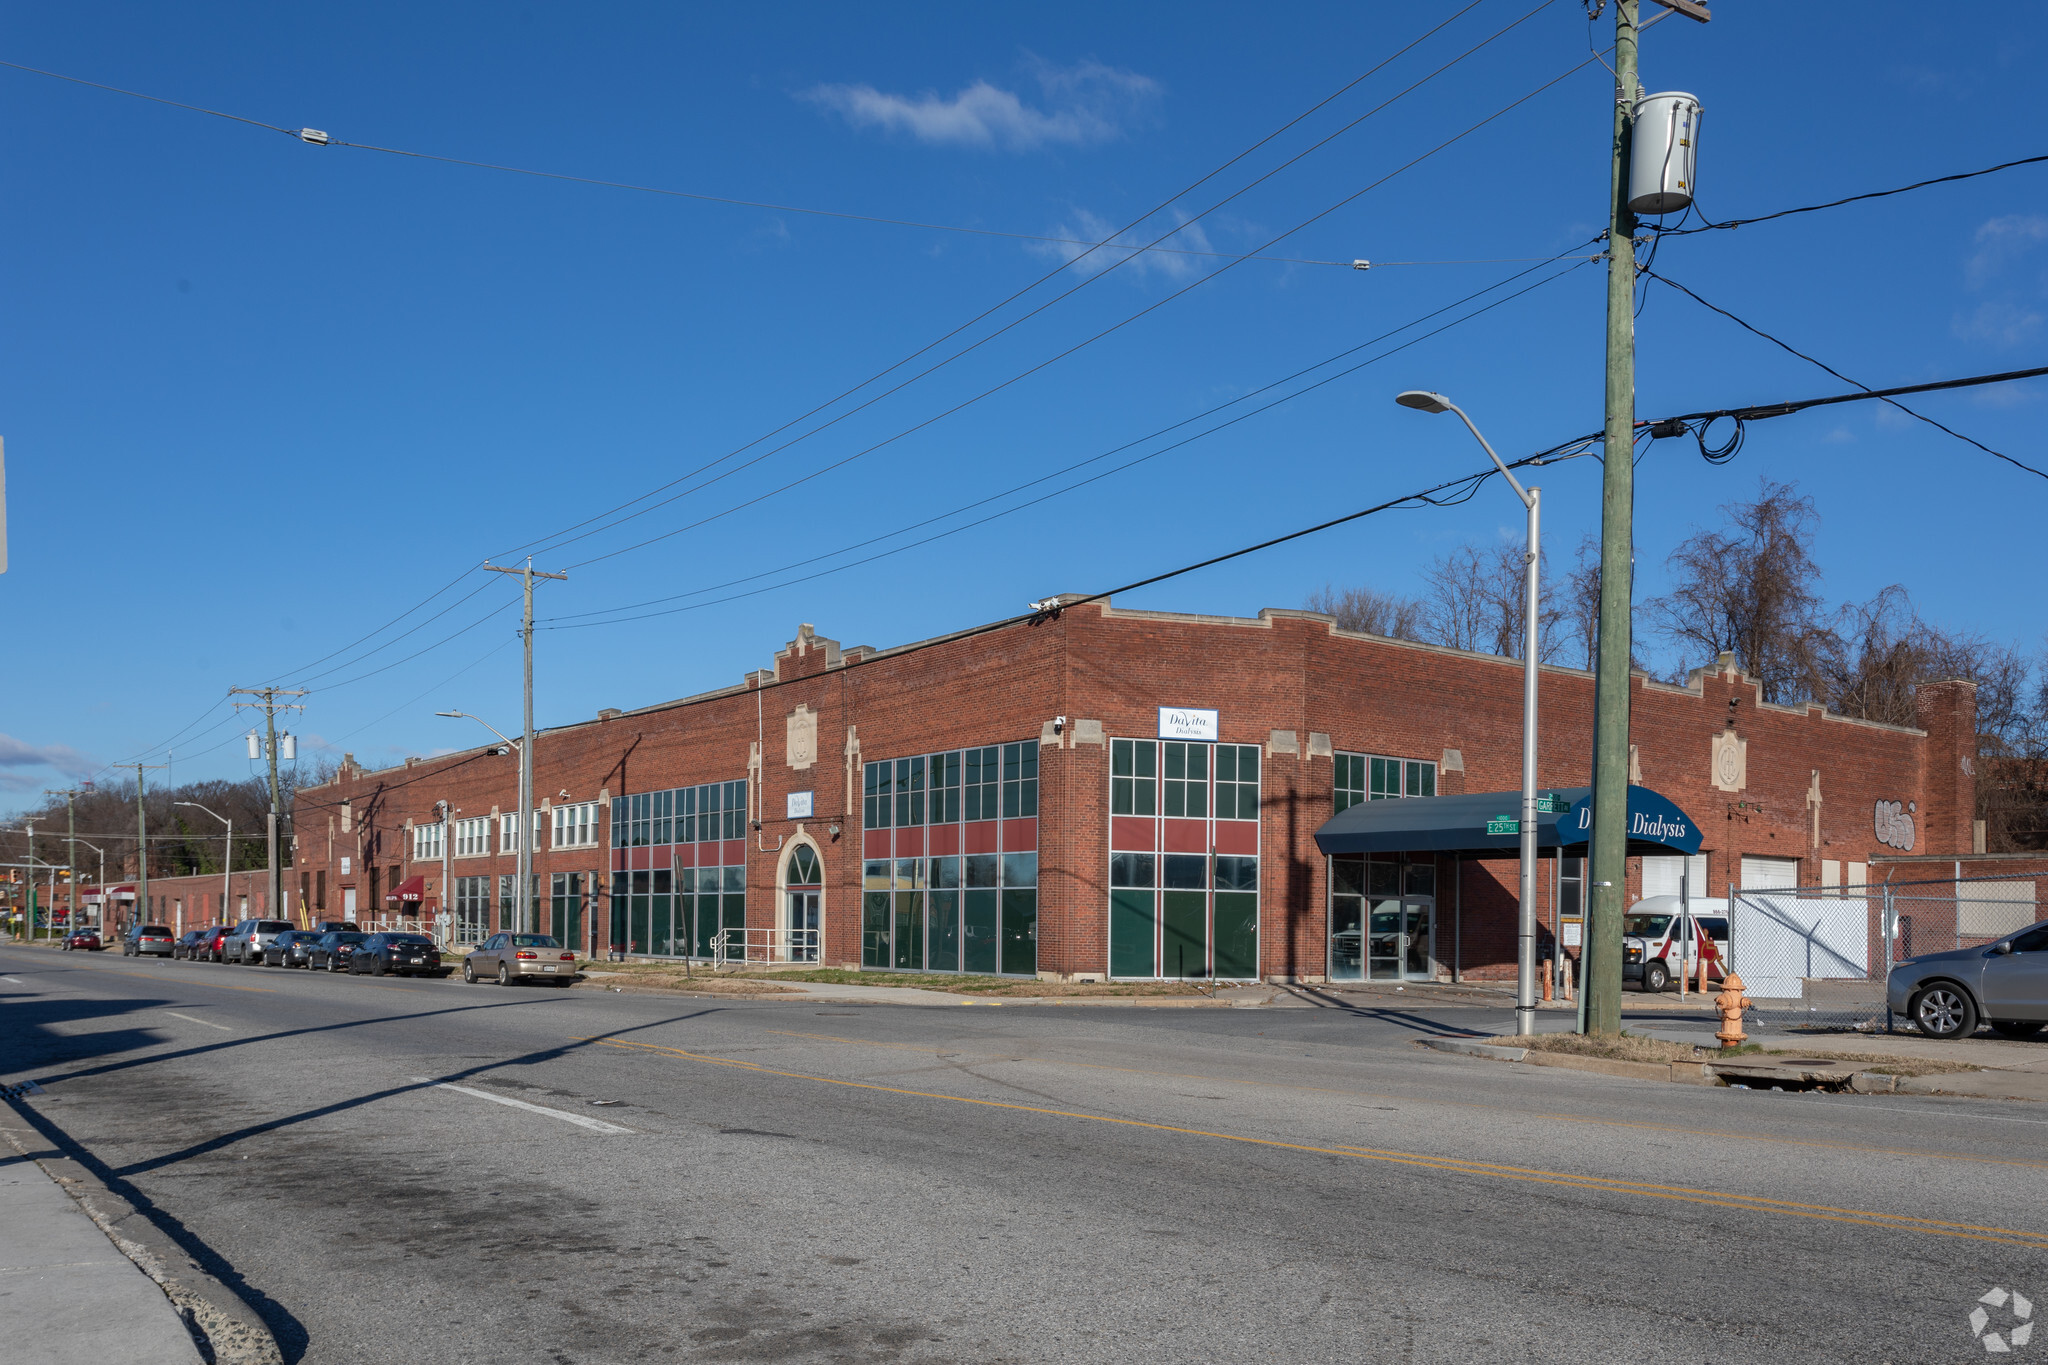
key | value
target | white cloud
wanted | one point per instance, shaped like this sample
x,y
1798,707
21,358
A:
x,y
15,753
1998,321
2003,239
1081,104
1088,227
1840,436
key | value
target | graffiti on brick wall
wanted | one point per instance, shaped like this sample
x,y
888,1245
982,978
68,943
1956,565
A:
x,y
1894,824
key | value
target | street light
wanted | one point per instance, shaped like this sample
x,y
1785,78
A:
x,y
228,867
523,874
1525,955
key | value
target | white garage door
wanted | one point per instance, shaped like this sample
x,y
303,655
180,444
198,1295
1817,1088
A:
x,y
1770,874
1661,874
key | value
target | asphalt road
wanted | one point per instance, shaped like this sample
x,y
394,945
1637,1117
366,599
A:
x,y
821,1181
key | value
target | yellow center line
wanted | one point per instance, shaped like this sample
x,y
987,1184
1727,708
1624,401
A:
x,y
1454,1165
1460,1104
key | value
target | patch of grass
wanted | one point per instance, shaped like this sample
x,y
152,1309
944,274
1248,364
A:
x,y
666,977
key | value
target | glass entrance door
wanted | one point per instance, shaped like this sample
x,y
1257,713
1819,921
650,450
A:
x,y
803,926
1400,938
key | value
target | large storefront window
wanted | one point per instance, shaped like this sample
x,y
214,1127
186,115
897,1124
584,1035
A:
x,y
1382,919
949,879
679,870
472,909
565,909
1184,859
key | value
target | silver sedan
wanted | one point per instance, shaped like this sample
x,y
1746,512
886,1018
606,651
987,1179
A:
x,y
2003,983
521,957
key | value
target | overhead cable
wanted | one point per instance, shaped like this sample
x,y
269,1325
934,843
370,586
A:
x,y
1034,369
581,623
1857,198
1868,392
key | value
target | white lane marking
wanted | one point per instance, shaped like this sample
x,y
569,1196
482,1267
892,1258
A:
x,y
595,1125
13,980
190,1020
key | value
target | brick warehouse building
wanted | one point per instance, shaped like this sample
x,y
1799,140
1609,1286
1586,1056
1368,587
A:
x,y
1002,800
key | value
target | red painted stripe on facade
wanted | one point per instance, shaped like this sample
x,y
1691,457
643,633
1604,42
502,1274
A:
x,y
1186,836
944,840
875,844
981,836
735,851
1020,836
1133,832
910,843
1237,836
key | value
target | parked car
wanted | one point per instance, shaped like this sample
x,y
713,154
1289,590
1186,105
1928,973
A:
x,y
520,957
211,947
245,943
148,940
290,949
82,940
1653,939
1948,994
332,950
336,926
399,954
188,943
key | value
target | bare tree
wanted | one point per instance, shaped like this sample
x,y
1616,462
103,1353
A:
x,y
1476,601
1753,589
1370,611
1578,598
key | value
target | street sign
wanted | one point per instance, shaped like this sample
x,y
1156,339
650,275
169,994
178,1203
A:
x,y
1503,824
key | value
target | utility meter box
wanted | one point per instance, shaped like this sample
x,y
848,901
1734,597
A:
x,y
1665,153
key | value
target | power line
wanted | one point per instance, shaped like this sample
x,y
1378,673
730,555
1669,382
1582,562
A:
x,y
558,539
1856,198
322,139
1867,390
1034,369
1093,478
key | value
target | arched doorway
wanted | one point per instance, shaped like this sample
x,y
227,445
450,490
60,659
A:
x,y
803,903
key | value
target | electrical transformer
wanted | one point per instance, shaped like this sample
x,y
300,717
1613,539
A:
x,y
1665,153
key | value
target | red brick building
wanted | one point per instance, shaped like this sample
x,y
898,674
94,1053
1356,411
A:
x,y
1100,792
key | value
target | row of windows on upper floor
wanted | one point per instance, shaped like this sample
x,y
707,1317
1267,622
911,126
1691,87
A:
x,y
1176,778
573,826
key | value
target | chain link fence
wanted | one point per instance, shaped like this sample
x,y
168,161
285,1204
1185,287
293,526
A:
x,y
1817,957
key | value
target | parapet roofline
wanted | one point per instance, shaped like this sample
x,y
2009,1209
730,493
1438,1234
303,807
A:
x,y
856,655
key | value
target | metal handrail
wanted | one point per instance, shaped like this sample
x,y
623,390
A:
x,y
745,947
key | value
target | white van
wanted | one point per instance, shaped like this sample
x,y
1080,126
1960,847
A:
x,y
1653,940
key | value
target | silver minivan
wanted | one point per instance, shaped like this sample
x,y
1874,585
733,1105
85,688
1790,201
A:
x,y
246,944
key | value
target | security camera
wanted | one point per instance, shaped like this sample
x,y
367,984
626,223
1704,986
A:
x,y
1059,724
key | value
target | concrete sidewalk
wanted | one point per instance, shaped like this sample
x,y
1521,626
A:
x,y
67,1294
2011,1070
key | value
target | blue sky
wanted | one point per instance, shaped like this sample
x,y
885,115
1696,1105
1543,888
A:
x,y
261,397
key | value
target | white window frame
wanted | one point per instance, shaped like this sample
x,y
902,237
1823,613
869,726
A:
x,y
473,837
576,825
427,842
508,830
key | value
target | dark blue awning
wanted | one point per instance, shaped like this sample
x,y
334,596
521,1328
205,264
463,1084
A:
x,y
1485,824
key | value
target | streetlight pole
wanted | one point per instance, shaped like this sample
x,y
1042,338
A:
x,y
1532,501
227,868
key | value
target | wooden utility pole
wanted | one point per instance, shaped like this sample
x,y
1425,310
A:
x,y
523,898
269,705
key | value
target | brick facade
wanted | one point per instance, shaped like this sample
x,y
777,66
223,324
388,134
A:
x,y
1798,783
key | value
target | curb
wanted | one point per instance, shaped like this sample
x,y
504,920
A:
x,y
1692,1073
226,1330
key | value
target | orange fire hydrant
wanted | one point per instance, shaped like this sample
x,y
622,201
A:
x,y
1731,1002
